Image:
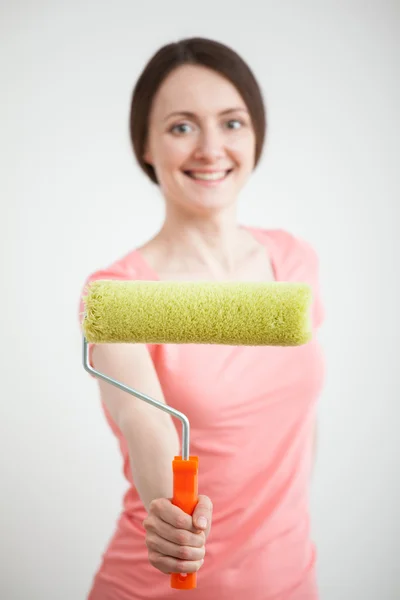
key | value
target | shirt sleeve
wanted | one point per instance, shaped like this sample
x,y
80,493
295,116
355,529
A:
x,y
110,273
311,271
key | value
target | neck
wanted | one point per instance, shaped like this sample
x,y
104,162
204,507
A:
x,y
205,241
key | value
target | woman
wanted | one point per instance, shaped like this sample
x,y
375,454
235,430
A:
x,y
197,127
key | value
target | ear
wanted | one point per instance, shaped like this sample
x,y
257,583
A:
x,y
147,156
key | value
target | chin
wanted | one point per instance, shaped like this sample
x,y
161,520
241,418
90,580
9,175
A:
x,y
205,198
207,205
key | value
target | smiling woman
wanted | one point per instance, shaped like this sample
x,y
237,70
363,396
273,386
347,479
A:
x,y
200,157
228,74
197,125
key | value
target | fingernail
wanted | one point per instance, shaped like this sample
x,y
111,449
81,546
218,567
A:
x,y
202,522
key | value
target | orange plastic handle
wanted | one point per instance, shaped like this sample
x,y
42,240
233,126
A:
x,y
185,473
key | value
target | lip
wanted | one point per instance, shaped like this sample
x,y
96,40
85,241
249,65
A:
x,y
208,170
210,182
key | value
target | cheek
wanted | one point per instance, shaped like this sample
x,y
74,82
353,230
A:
x,y
173,153
242,148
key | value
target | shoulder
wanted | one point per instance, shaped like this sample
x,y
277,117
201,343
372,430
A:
x,y
127,267
296,260
288,246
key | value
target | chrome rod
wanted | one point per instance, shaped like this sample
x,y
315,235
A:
x,y
171,411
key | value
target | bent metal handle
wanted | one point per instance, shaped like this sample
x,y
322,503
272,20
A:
x,y
185,496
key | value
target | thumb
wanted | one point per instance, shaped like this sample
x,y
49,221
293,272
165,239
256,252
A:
x,y
202,514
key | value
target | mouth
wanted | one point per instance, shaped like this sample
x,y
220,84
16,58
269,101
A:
x,y
208,177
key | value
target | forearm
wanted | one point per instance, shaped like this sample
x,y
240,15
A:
x,y
150,433
152,448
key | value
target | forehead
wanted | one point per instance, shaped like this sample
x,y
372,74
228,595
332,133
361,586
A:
x,y
197,89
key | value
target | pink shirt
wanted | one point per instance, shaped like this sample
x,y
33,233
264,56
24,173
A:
x,y
252,412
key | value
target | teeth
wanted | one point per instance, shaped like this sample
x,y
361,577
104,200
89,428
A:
x,y
208,176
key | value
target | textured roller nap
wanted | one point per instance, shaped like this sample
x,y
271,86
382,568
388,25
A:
x,y
253,314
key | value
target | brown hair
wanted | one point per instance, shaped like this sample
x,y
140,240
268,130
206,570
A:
x,y
194,51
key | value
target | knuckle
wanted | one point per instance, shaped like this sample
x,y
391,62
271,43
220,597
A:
x,y
182,538
180,522
148,524
198,540
205,507
180,566
154,558
184,553
156,505
150,542
205,502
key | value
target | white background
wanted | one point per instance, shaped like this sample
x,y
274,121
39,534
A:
x,y
72,200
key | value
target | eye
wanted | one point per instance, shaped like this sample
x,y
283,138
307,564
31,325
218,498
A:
x,y
181,128
234,124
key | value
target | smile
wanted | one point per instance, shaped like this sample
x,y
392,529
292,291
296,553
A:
x,y
214,176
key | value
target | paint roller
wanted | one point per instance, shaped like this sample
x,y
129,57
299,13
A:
x,y
192,312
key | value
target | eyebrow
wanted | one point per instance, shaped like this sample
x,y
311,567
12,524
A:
x,y
191,115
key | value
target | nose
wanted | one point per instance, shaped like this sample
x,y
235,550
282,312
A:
x,y
210,145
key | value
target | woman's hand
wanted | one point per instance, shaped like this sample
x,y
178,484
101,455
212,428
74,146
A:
x,y
176,540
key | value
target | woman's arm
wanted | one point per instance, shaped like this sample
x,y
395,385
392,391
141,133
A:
x,y
150,433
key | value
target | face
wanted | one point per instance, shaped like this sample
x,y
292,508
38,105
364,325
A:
x,y
201,141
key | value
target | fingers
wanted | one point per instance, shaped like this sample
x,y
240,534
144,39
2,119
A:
x,y
182,537
171,514
169,565
155,543
175,540
202,515
173,550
